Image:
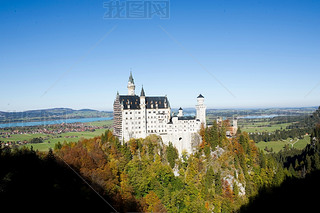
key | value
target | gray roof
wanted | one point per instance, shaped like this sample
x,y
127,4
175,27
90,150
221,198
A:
x,y
131,78
142,92
186,118
161,101
134,102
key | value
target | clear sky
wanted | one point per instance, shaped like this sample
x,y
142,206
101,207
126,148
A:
x,y
236,53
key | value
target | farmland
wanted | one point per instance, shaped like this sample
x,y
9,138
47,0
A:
x,y
276,146
50,139
271,126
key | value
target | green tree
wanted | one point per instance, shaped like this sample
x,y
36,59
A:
x,y
172,155
218,183
309,164
57,146
212,135
244,142
235,189
317,161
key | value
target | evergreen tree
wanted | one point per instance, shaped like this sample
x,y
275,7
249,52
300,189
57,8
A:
x,y
317,161
309,164
218,183
235,189
172,155
213,136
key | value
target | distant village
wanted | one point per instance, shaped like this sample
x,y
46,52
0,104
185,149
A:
x,y
54,130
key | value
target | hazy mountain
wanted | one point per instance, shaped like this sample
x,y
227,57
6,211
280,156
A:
x,y
54,113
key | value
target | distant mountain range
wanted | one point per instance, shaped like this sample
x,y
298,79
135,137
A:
x,y
62,113
51,114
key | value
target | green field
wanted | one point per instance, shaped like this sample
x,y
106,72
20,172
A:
x,y
267,125
51,140
278,145
261,125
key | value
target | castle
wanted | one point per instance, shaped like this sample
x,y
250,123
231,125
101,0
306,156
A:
x,y
139,116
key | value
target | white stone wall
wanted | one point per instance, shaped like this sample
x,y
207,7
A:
x,y
157,120
201,110
183,133
133,124
131,88
142,122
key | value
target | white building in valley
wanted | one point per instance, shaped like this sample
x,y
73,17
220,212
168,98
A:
x,y
139,116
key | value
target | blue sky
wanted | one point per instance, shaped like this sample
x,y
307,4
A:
x,y
237,54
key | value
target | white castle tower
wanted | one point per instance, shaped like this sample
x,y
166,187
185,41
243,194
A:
x,y
143,110
201,110
131,86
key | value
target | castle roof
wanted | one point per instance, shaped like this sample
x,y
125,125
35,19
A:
x,y
142,92
200,96
131,78
160,102
132,100
186,118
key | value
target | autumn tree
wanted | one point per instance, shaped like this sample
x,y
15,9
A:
x,y
153,203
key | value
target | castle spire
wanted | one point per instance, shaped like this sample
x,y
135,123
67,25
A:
x,y
142,92
131,78
131,86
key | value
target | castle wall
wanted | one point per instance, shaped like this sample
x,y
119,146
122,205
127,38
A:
x,y
138,117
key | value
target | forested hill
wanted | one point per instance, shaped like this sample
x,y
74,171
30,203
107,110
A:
x,y
145,175
51,114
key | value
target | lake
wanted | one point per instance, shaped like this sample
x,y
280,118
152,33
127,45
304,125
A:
x,y
257,116
60,121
